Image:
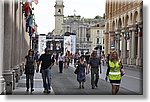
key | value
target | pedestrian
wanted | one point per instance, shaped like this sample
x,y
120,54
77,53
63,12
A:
x,y
29,69
81,75
37,56
103,58
68,55
87,57
94,64
56,58
61,61
66,61
114,72
47,61
76,57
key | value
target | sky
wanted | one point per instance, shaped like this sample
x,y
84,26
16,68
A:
x,y
44,11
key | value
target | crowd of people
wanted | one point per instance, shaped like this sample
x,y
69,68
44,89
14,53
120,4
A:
x,y
84,64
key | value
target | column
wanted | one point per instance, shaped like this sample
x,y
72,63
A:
x,y
132,60
130,46
124,49
2,83
20,41
17,40
111,41
140,48
106,43
7,73
117,42
122,44
13,44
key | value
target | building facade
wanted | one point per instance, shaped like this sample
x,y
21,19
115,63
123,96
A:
x,y
14,44
97,35
75,24
124,30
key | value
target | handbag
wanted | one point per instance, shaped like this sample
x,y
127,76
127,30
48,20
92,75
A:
x,y
76,71
122,72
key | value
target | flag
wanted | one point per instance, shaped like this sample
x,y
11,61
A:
x,y
35,1
31,20
26,8
33,29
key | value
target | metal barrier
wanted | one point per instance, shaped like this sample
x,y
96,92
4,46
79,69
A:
x,y
2,85
14,79
8,76
17,76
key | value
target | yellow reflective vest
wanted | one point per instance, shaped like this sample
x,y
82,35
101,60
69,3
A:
x,y
114,73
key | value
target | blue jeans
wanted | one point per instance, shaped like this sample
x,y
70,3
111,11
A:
x,y
46,75
94,76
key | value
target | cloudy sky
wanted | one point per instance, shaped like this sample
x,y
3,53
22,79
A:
x,y
44,11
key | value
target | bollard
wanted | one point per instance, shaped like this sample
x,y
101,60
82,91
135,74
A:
x,y
8,76
21,69
14,79
16,73
2,86
23,66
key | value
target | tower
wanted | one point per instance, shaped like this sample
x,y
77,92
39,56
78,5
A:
x,y
59,17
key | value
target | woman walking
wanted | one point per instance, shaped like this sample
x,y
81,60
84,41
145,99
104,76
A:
x,y
114,72
29,69
81,78
61,61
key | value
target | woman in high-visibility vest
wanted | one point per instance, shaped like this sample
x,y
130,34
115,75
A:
x,y
114,72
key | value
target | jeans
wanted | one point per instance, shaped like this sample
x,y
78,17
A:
x,y
94,79
29,77
46,75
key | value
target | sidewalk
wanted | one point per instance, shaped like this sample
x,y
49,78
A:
x,y
132,66
20,88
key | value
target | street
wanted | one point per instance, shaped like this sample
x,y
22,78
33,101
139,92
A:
x,y
66,84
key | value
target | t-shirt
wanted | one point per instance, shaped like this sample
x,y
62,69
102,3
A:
x,y
94,62
47,60
29,66
30,60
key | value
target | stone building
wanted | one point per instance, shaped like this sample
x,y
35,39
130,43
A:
x,y
124,30
14,44
97,34
77,25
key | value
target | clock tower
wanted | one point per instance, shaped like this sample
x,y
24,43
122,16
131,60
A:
x,y
59,17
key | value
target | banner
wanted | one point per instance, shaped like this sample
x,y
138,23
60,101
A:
x,y
67,44
42,44
73,43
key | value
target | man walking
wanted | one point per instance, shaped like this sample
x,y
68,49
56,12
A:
x,y
47,63
94,63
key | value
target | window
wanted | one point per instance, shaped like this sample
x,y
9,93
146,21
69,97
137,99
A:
x,y
103,40
87,39
97,40
59,11
97,32
67,28
97,25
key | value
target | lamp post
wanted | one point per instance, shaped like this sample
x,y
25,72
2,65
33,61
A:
x,y
117,39
100,48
